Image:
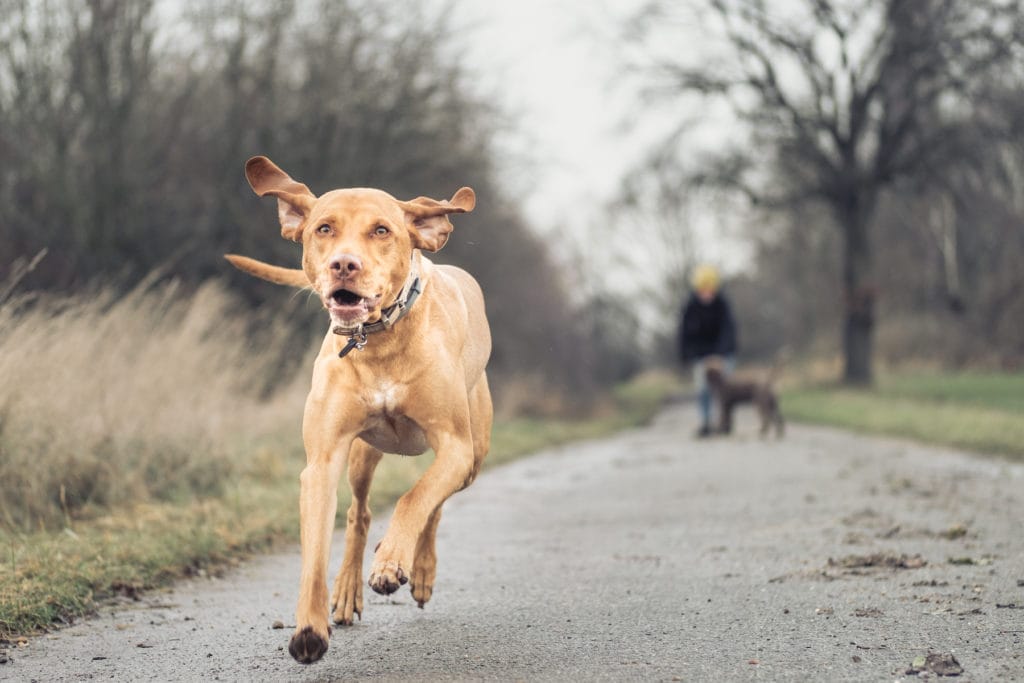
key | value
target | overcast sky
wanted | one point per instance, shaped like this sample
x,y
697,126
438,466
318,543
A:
x,y
553,64
558,67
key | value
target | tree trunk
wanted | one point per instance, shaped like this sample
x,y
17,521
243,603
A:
x,y
858,290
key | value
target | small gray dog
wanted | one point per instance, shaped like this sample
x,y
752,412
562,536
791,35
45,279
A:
x,y
730,392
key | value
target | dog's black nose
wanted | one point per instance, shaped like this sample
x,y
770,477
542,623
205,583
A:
x,y
346,264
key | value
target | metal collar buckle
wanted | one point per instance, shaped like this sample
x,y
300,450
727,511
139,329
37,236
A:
x,y
356,340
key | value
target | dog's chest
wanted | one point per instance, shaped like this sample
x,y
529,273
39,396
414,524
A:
x,y
384,397
387,427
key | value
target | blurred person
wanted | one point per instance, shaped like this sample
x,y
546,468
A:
x,y
707,329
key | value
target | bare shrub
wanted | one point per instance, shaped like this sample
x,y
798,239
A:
x,y
109,400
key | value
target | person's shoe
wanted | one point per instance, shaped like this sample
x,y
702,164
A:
x,y
704,431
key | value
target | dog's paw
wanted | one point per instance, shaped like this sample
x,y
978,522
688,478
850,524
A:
x,y
387,576
422,582
307,646
347,599
421,592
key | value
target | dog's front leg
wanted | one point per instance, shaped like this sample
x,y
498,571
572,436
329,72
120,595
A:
x,y
451,470
318,504
329,427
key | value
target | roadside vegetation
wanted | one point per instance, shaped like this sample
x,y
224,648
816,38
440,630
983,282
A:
x,y
975,411
142,440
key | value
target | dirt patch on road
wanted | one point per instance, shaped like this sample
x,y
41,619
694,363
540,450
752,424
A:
x,y
853,563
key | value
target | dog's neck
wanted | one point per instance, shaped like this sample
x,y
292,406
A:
x,y
389,315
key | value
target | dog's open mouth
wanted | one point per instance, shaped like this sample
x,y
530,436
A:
x,y
348,306
346,297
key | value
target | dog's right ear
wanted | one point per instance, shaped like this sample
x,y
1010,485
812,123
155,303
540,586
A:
x,y
294,200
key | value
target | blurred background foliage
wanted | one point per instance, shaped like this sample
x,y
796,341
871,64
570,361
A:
x,y
124,127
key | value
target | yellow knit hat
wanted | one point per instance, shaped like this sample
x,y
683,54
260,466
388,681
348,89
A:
x,y
705,277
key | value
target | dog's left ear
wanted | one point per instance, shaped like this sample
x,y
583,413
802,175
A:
x,y
427,219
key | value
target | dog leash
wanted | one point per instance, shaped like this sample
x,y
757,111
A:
x,y
388,317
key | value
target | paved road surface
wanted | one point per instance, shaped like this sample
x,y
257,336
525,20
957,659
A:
x,y
647,556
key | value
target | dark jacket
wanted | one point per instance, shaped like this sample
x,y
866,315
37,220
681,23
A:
x,y
706,329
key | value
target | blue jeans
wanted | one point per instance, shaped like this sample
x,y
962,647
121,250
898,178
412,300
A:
x,y
700,383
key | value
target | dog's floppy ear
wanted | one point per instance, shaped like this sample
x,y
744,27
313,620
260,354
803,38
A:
x,y
294,200
427,218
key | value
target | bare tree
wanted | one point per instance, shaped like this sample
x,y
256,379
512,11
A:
x,y
842,100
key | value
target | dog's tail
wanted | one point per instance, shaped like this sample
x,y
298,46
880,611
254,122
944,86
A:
x,y
776,369
292,277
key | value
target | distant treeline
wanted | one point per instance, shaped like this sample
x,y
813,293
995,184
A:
x,y
879,155
124,127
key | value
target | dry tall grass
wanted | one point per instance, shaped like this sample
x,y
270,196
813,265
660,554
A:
x,y
108,399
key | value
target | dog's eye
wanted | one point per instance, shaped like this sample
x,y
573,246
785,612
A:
x,y
380,231
324,229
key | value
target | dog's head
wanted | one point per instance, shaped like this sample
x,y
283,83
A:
x,y
713,371
357,243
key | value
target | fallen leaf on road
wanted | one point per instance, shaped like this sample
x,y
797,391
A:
x,y
882,560
938,664
954,532
867,612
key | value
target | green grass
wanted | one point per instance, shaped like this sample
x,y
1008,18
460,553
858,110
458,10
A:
x,y
972,411
1002,392
52,577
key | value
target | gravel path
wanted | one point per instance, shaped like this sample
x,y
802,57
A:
x,y
646,556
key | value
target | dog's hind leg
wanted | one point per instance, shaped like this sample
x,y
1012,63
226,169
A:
x,y
725,418
481,417
347,596
424,566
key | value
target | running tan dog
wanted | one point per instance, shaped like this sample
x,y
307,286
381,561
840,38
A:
x,y
401,370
